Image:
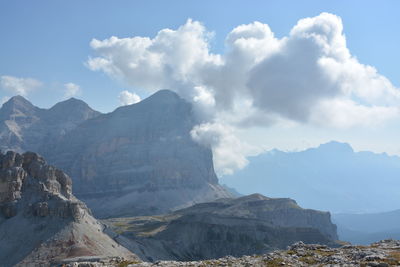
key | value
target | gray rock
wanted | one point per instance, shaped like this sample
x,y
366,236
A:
x,y
328,257
243,226
137,160
41,222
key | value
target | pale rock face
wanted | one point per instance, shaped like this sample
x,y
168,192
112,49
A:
x,y
41,222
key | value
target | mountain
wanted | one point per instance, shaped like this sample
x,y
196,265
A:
x,y
367,228
247,225
139,159
41,222
25,127
330,177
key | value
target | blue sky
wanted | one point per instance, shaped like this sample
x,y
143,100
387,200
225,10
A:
x,y
49,41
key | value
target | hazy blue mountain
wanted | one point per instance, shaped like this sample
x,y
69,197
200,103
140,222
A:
x,y
330,177
367,228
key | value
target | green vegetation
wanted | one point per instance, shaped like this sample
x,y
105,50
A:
x,y
308,259
274,262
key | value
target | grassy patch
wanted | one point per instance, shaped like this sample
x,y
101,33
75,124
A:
x,y
308,260
290,252
274,262
324,252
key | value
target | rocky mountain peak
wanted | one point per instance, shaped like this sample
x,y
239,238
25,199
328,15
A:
x,y
165,103
336,147
164,95
18,101
17,106
72,109
71,103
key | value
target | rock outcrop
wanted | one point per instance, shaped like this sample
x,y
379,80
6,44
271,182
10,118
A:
x,y
41,222
137,160
243,226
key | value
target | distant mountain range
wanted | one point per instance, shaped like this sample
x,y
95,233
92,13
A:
x,y
138,159
330,177
367,228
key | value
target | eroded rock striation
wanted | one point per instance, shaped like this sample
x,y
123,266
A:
x,y
247,225
41,222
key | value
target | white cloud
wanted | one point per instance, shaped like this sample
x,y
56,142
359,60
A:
x,y
307,77
18,86
344,113
228,151
4,99
127,98
71,90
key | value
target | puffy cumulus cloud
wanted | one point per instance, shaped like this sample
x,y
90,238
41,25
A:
x,y
228,151
127,98
308,76
173,59
18,86
71,90
344,113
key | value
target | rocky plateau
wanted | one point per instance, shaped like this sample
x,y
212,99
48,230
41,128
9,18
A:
x,y
247,225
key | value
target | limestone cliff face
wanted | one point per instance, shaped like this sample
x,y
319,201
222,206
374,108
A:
x,y
41,222
244,226
139,159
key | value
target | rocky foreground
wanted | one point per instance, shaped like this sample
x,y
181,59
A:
x,y
383,253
